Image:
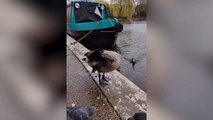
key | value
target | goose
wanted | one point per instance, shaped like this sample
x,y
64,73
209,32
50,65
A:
x,y
103,61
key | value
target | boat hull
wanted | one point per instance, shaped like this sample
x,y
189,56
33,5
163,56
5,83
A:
x,y
104,38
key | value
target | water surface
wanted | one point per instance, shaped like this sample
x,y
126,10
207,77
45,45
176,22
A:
x,y
132,43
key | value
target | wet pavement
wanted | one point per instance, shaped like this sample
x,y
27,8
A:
x,y
82,90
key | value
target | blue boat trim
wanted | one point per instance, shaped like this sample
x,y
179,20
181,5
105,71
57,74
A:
x,y
92,25
104,14
72,19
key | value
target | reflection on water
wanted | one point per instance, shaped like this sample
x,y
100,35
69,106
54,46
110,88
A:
x,y
132,43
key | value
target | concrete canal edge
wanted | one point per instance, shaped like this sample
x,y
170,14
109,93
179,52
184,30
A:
x,y
124,96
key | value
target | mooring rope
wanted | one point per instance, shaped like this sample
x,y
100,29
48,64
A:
x,y
79,40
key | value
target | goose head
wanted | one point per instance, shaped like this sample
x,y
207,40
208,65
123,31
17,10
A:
x,y
93,55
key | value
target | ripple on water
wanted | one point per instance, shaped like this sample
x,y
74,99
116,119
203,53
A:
x,y
132,43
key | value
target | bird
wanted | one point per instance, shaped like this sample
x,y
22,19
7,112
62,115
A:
x,y
80,113
103,61
138,116
134,60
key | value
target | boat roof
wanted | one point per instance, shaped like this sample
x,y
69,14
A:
x,y
80,1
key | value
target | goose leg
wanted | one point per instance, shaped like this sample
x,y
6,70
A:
x,y
99,77
93,70
101,81
104,78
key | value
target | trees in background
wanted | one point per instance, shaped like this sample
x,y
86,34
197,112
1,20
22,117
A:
x,y
140,9
122,8
102,2
128,9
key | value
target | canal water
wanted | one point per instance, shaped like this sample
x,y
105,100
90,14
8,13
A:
x,y
132,43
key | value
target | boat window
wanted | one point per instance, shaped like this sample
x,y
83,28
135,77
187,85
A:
x,y
88,12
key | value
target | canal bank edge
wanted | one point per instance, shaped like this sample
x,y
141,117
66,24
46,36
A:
x,y
124,96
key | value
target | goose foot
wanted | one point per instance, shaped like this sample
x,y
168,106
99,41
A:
x,y
103,84
106,79
118,69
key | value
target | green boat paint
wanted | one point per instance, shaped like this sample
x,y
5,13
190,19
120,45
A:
x,y
92,25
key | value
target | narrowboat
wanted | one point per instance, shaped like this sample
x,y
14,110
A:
x,y
89,23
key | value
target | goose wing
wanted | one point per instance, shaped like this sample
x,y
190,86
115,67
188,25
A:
x,y
107,59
